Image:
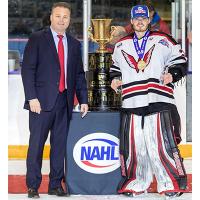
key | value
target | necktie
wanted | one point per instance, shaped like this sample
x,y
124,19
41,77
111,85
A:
x,y
61,59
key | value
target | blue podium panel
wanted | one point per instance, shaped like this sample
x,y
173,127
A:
x,y
93,165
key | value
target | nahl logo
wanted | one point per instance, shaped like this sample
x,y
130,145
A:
x,y
97,153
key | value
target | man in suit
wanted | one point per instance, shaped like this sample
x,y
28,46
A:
x,y
52,71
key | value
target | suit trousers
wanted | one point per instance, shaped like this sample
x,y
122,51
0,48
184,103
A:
x,y
55,122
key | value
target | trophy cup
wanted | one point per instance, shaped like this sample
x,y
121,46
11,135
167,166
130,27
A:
x,y
100,94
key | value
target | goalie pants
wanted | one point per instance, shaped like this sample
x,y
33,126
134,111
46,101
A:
x,y
150,150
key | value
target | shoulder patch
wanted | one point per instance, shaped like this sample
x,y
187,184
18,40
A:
x,y
164,42
167,37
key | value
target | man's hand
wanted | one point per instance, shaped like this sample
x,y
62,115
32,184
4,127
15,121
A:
x,y
115,84
117,33
84,110
35,106
166,78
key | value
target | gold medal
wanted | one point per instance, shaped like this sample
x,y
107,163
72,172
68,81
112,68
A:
x,y
141,65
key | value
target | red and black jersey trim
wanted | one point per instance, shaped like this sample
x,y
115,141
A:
x,y
145,93
145,81
180,58
169,37
128,37
114,68
114,72
145,87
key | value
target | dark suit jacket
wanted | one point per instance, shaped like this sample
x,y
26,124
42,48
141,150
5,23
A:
x,y
41,71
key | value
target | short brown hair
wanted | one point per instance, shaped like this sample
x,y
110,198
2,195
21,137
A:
x,y
61,4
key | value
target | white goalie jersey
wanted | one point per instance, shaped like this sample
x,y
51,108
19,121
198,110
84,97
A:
x,y
143,87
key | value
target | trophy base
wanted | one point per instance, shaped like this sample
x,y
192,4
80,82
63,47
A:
x,y
101,97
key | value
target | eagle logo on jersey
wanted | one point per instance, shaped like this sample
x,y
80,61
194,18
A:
x,y
132,62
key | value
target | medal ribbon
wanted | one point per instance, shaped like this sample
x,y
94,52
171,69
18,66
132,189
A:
x,y
140,50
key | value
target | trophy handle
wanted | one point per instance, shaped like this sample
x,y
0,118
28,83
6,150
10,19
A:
x,y
113,28
91,36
